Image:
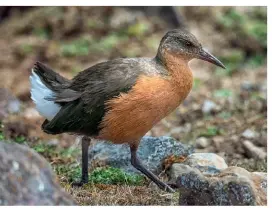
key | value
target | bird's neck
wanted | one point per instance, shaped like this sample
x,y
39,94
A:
x,y
180,73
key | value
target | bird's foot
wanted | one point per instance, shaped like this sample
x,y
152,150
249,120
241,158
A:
x,y
78,183
166,187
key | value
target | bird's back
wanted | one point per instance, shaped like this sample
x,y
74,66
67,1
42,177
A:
x,y
81,103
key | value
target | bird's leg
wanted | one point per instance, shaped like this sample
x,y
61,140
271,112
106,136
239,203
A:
x,y
138,165
85,143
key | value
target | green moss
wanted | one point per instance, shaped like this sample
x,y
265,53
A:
x,y
210,131
68,171
110,175
101,175
1,136
20,139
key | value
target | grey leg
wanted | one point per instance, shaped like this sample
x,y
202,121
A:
x,y
138,165
85,143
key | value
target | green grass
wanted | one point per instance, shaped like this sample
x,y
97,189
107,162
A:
x,y
20,139
100,175
1,136
110,175
211,131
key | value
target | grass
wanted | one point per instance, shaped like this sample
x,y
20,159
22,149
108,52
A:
x,y
100,175
111,175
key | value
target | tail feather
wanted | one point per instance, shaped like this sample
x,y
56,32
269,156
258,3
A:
x,y
44,81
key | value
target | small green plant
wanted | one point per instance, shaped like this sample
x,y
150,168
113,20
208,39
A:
x,y
211,131
197,83
41,32
1,136
100,175
78,47
110,175
72,173
20,139
256,61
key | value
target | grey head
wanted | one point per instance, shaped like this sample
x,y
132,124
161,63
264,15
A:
x,y
181,42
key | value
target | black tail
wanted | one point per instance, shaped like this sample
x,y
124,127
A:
x,y
51,79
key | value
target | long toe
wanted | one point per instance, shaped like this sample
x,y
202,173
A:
x,y
169,189
77,183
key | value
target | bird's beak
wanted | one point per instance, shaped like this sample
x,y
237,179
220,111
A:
x,y
206,56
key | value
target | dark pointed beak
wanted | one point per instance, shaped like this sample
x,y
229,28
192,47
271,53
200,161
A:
x,y
206,56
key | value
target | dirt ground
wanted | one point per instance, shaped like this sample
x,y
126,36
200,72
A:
x,y
70,39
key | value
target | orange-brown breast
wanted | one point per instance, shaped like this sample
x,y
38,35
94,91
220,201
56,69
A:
x,y
132,115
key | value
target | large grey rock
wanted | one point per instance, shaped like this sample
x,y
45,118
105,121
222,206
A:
x,y
232,186
27,179
152,151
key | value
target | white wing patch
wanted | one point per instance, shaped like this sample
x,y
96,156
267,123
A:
x,y
39,91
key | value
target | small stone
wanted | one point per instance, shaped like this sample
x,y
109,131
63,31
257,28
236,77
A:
x,y
202,142
254,151
247,85
208,106
31,113
8,103
249,134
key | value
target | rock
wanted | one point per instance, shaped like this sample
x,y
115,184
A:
x,y
27,179
8,103
202,142
31,113
249,134
207,163
232,186
254,151
208,106
249,86
152,151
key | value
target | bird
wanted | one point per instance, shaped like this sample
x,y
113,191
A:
x,y
119,100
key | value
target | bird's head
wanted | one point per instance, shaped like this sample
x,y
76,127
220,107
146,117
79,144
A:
x,y
183,44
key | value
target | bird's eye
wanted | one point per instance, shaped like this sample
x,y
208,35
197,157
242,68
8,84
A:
x,y
188,43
